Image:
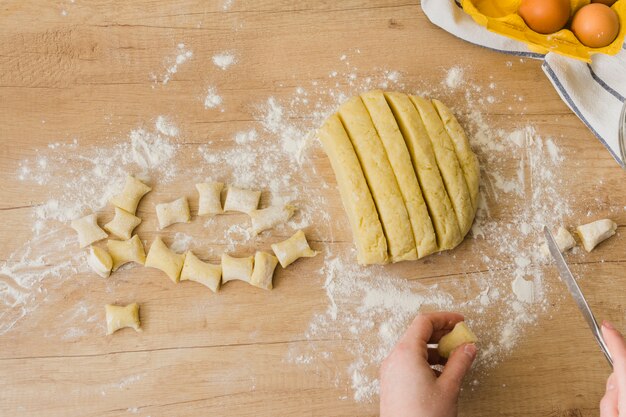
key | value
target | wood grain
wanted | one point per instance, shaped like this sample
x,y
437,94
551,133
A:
x,y
86,75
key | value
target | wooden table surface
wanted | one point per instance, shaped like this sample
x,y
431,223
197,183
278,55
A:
x,y
81,69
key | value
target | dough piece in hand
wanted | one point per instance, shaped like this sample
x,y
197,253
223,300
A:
x,y
263,273
236,268
88,230
460,335
241,200
210,198
270,217
205,273
380,179
594,233
400,159
564,240
122,224
176,211
163,258
367,230
133,191
448,164
119,317
124,251
293,248
100,261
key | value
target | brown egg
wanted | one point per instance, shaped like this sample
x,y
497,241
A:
x,y
596,25
607,2
545,16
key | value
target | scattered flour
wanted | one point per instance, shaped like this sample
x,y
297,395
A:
x,y
212,99
183,55
224,60
454,77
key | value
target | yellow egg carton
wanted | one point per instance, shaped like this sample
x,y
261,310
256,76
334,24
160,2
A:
x,y
500,16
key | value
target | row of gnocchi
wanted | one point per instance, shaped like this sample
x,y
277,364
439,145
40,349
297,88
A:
x,y
257,270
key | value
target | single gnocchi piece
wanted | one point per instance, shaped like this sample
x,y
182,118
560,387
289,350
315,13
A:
x,y
293,248
236,268
263,272
205,273
122,224
238,199
593,234
134,190
176,211
100,261
270,217
119,317
163,258
460,335
88,230
564,240
210,202
125,251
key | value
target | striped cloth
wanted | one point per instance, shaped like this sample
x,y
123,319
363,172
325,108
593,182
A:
x,y
595,92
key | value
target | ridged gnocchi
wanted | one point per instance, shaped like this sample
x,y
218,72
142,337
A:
x,y
236,268
176,211
133,192
210,200
204,273
263,272
270,217
122,224
241,200
119,317
288,251
125,251
88,230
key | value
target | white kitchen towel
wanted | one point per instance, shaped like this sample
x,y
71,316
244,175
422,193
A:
x,y
595,92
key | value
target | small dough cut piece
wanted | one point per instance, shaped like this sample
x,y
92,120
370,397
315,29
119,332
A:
x,y
133,191
204,273
237,268
564,240
100,261
163,258
238,199
176,211
460,335
124,251
380,179
423,157
593,234
288,251
263,272
119,317
400,159
88,230
467,158
448,163
368,233
210,198
122,224
270,217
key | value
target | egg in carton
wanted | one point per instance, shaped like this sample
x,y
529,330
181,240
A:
x,y
501,16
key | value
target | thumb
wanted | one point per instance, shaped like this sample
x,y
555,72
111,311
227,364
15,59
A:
x,y
457,366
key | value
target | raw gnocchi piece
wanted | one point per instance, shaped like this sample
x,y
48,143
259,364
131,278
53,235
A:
x,y
241,200
564,240
176,211
236,268
205,273
210,198
263,272
88,230
593,234
163,258
124,251
270,217
293,248
122,224
460,335
119,317
100,261
133,191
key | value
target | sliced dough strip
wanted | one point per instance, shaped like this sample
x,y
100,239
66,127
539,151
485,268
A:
x,y
398,154
368,232
380,179
467,158
424,162
448,163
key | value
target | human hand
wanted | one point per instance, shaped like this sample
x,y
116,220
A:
x,y
409,387
613,403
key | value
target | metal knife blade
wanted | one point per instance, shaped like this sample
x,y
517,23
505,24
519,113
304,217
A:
x,y
574,289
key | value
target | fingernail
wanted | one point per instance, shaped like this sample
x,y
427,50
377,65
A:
x,y
470,350
607,325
